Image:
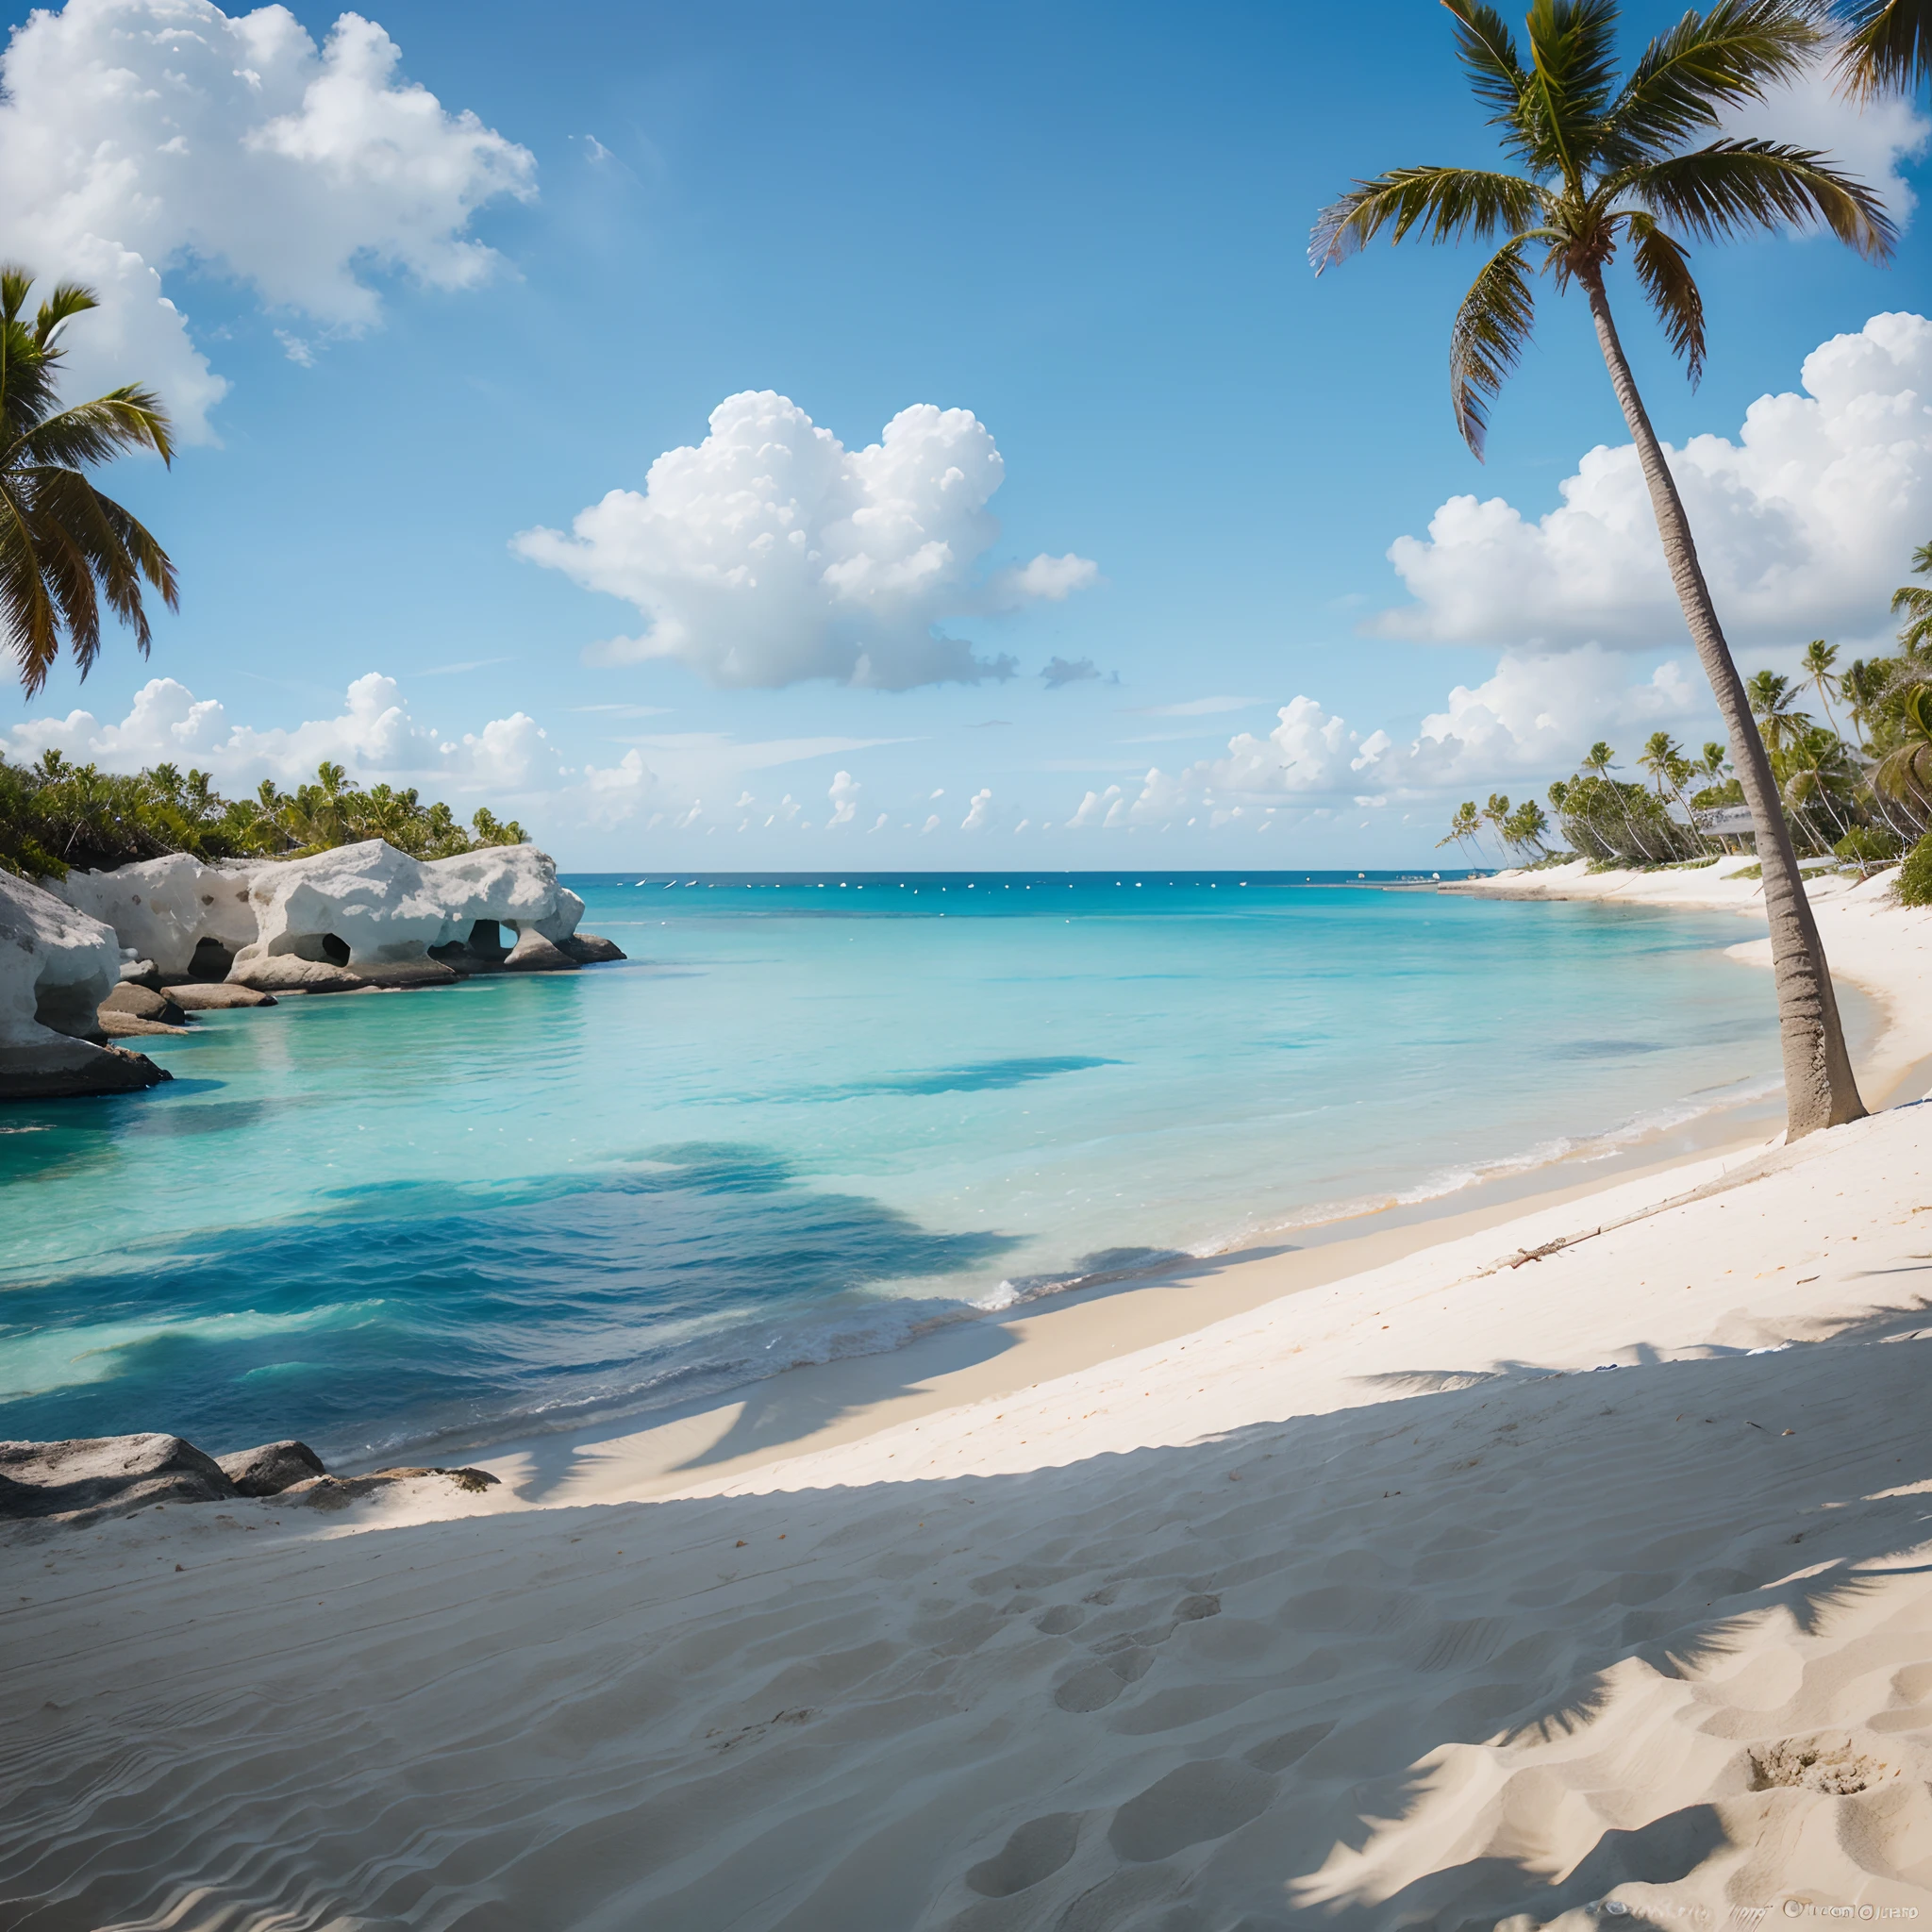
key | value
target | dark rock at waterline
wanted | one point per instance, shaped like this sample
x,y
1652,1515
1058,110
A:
x,y
270,1468
289,972
533,953
94,1477
411,974
144,1002
199,996
66,1069
591,949
115,1025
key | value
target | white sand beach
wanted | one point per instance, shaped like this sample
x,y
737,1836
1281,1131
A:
x,y
1568,1558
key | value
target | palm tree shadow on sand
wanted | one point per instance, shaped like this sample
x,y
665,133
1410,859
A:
x,y
1444,1658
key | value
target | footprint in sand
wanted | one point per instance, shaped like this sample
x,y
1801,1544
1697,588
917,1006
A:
x,y
1192,1804
1123,1657
1037,1850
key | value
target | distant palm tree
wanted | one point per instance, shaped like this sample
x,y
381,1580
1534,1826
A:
x,y
63,545
1496,816
1774,704
1915,602
1819,659
1889,49
1861,686
1606,165
1465,827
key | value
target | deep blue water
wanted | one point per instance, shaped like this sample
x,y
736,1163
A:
x,y
805,1118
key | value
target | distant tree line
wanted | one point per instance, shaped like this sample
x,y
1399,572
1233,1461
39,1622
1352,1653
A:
x,y
1860,791
54,815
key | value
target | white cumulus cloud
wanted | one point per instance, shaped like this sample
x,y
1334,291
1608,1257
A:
x,y
1531,719
1805,523
771,553
376,737
139,135
977,810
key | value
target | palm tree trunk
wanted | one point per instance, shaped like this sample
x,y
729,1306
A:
x,y
1819,1088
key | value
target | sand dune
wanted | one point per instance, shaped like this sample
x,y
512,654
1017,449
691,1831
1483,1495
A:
x,y
1385,1605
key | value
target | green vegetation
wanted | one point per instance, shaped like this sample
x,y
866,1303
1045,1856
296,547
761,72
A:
x,y
64,547
1861,798
1915,874
54,815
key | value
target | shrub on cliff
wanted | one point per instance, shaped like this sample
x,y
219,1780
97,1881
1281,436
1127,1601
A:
x,y
1915,874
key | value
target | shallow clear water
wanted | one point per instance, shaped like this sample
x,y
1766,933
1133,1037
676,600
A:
x,y
803,1120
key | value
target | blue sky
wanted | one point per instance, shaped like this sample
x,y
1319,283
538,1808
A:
x,y
1087,225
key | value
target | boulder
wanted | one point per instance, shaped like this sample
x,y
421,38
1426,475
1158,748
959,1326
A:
x,y
95,1478
533,953
144,1002
167,909
370,909
271,1467
589,949
288,972
56,966
115,1025
404,974
196,998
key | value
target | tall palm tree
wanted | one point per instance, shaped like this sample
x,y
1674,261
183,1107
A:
x,y
1888,49
1607,165
63,545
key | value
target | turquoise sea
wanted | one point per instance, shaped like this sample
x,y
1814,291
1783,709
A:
x,y
807,1117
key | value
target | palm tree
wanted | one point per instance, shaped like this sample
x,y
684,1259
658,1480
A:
x,y
1861,686
1915,602
1605,166
1774,704
1819,659
63,545
1465,827
1904,772
1889,49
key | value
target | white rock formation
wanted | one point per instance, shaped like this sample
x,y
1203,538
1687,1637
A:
x,y
56,965
382,908
164,908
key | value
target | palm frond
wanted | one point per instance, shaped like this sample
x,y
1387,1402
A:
x,y
1709,61
1486,49
1491,331
1889,48
1453,203
95,432
1734,187
1663,272
1571,48
33,625
68,300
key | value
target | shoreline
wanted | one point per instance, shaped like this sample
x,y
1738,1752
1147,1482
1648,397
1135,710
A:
x,y
642,1450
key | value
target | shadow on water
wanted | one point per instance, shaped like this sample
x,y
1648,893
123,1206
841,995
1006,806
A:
x,y
428,1307
986,1076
